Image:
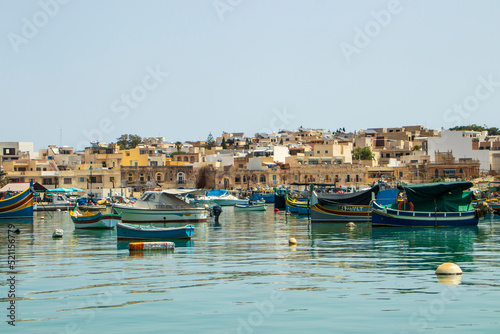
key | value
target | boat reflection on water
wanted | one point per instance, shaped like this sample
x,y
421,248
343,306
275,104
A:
x,y
426,247
123,244
414,248
336,231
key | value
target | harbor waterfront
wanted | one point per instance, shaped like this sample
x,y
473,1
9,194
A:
x,y
241,276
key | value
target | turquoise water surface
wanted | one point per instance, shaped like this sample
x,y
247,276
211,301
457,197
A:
x,y
240,276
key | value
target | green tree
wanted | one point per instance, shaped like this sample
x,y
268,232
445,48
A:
x,y
210,141
223,143
493,131
416,148
362,153
281,141
128,141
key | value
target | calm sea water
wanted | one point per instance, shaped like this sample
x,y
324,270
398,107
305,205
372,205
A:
x,y
240,276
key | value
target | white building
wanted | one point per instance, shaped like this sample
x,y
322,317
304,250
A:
x,y
460,143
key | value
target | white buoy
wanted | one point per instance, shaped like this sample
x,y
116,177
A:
x,y
351,224
292,242
448,268
42,218
58,233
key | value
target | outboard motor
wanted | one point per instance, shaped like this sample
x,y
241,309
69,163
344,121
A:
x,y
217,210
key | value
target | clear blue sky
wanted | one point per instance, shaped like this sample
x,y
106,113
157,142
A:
x,y
182,69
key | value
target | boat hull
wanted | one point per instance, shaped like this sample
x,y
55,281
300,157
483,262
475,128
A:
x,y
341,213
53,207
382,216
97,221
298,207
19,206
229,202
138,215
137,232
255,207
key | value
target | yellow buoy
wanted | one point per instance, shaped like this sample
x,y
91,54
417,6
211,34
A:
x,y
448,268
351,224
292,242
42,217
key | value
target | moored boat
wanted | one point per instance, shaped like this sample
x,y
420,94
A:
x,y
143,232
220,197
429,205
160,206
93,220
17,206
262,194
351,207
300,207
250,207
58,201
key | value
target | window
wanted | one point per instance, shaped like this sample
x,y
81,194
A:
x,y
127,154
436,173
240,166
67,180
313,162
104,164
81,179
237,179
262,179
181,178
130,177
245,179
153,163
93,179
141,177
449,173
274,179
9,151
326,151
46,181
158,177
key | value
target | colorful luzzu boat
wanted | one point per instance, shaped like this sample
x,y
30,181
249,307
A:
x,y
19,206
429,205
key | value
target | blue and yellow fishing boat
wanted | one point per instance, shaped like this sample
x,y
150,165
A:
x,y
17,206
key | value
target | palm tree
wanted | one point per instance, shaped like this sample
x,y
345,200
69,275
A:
x,y
178,145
